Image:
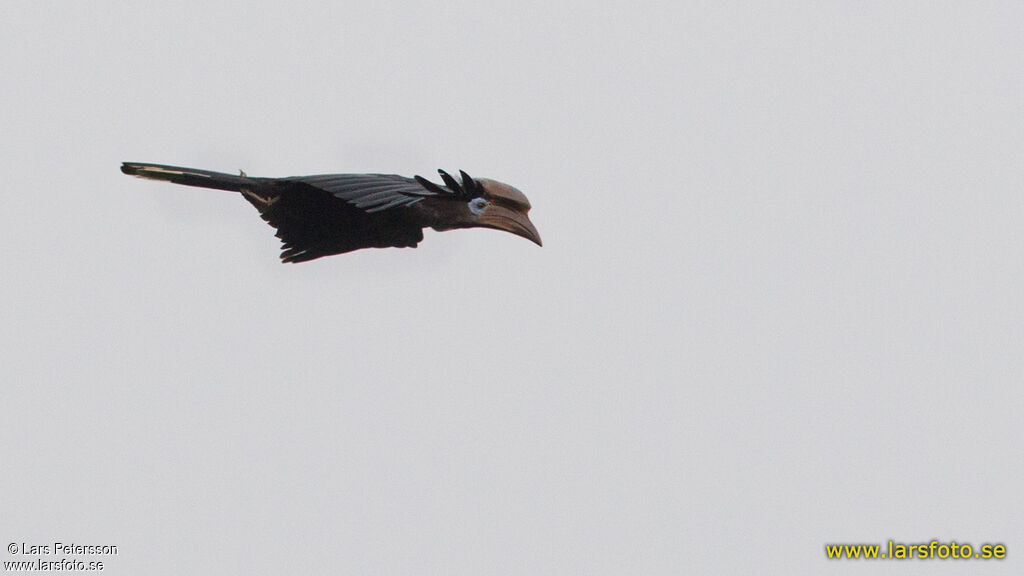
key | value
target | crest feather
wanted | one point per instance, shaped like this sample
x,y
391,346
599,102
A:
x,y
467,190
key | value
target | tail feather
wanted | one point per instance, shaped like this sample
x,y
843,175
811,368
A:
x,y
189,176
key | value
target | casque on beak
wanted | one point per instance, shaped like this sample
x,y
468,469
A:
x,y
502,218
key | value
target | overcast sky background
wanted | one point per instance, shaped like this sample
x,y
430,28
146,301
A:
x,y
779,303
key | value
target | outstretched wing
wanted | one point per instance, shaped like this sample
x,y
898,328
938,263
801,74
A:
x,y
331,214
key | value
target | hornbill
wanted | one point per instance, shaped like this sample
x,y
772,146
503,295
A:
x,y
336,213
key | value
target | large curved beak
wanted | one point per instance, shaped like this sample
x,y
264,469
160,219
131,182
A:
x,y
501,218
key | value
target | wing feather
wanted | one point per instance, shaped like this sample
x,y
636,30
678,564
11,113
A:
x,y
369,192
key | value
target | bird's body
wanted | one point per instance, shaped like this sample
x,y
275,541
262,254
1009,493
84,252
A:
x,y
336,213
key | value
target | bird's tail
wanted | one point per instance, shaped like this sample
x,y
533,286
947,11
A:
x,y
189,176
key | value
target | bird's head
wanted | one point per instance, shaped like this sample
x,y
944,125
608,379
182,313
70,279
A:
x,y
481,203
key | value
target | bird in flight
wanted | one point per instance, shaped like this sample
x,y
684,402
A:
x,y
329,214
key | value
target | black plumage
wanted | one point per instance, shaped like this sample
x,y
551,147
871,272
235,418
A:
x,y
321,215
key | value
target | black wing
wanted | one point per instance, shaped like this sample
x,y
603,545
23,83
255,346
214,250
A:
x,y
369,192
318,216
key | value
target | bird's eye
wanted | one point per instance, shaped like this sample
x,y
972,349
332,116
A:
x,y
477,205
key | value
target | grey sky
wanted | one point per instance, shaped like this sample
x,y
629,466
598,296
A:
x,y
779,302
